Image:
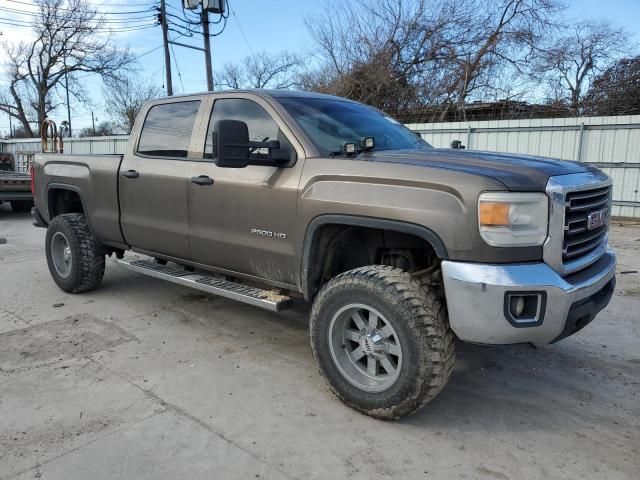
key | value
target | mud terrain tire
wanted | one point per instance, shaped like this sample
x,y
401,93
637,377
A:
x,y
76,262
419,320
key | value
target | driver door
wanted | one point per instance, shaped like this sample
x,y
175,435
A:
x,y
243,221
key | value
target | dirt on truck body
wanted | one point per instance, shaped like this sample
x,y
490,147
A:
x,y
261,196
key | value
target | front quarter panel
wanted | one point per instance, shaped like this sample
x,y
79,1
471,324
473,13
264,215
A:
x,y
440,200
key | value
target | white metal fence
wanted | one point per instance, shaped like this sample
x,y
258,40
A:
x,y
610,143
116,144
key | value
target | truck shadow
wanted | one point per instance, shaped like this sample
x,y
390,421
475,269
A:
x,y
7,213
5,210
517,387
500,388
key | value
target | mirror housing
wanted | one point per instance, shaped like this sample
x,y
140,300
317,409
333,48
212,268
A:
x,y
234,149
228,134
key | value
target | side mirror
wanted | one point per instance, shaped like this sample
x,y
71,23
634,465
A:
x,y
234,149
231,138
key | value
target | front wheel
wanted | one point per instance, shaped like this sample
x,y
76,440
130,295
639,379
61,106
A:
x,y
75,261
382,341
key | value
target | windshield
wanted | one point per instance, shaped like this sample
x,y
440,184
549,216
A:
x,y
332,123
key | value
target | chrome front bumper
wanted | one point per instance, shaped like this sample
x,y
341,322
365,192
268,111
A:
x,y
476,299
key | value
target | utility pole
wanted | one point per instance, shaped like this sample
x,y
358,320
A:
x,y
93,120
10,127
206,7
207,48
42,114
66,86
165,39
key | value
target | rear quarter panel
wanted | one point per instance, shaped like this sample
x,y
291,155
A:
x,y
94,178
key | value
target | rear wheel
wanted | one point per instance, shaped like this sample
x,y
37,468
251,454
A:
x,y
382,341
75,261
21,206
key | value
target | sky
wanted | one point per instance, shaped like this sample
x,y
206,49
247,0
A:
x,y
253,26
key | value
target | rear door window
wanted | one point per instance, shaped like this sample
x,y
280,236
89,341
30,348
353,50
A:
x,y
167,129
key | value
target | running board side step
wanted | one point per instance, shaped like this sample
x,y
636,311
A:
x,y
217,286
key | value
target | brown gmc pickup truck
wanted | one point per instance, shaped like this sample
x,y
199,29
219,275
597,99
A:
x,y
261,196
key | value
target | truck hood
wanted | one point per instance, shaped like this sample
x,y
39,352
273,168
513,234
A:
x,y
514,171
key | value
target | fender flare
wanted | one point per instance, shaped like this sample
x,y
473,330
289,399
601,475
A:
x,y
359,221
72,188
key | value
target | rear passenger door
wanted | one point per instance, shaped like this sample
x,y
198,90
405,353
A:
x,y
153,179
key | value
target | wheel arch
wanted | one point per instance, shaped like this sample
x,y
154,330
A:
x,y
313,252
64,198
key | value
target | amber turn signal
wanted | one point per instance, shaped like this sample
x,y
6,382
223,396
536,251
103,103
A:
x,y
494,214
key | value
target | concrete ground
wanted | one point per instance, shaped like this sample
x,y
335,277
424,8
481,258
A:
x,y
143,379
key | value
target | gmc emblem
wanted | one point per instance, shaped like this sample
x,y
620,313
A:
x,y
597,219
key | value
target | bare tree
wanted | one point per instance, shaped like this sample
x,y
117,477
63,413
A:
x,y
387,53
398,54
261,70
68,41
501,37
572,62
616,91
124,99
103,129
18,133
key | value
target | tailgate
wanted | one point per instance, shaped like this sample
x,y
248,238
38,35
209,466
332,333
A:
x,y
14,182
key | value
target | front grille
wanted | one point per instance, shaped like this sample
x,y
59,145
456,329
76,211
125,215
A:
x,y
578,239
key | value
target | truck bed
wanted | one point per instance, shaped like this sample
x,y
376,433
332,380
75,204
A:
x,y
94,177
14,186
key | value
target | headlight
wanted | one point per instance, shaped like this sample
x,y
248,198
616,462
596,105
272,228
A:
x,y
508,219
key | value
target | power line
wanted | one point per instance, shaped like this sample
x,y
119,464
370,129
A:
x,y
12,22
102,22
187,24
185,13
71,10
133,59
149,77
242,31
134,19
144,4
175,60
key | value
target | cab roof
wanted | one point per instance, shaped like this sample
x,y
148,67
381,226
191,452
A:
x,y
273,93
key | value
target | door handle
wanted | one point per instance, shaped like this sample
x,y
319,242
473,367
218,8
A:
x,y
130,174
202,180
